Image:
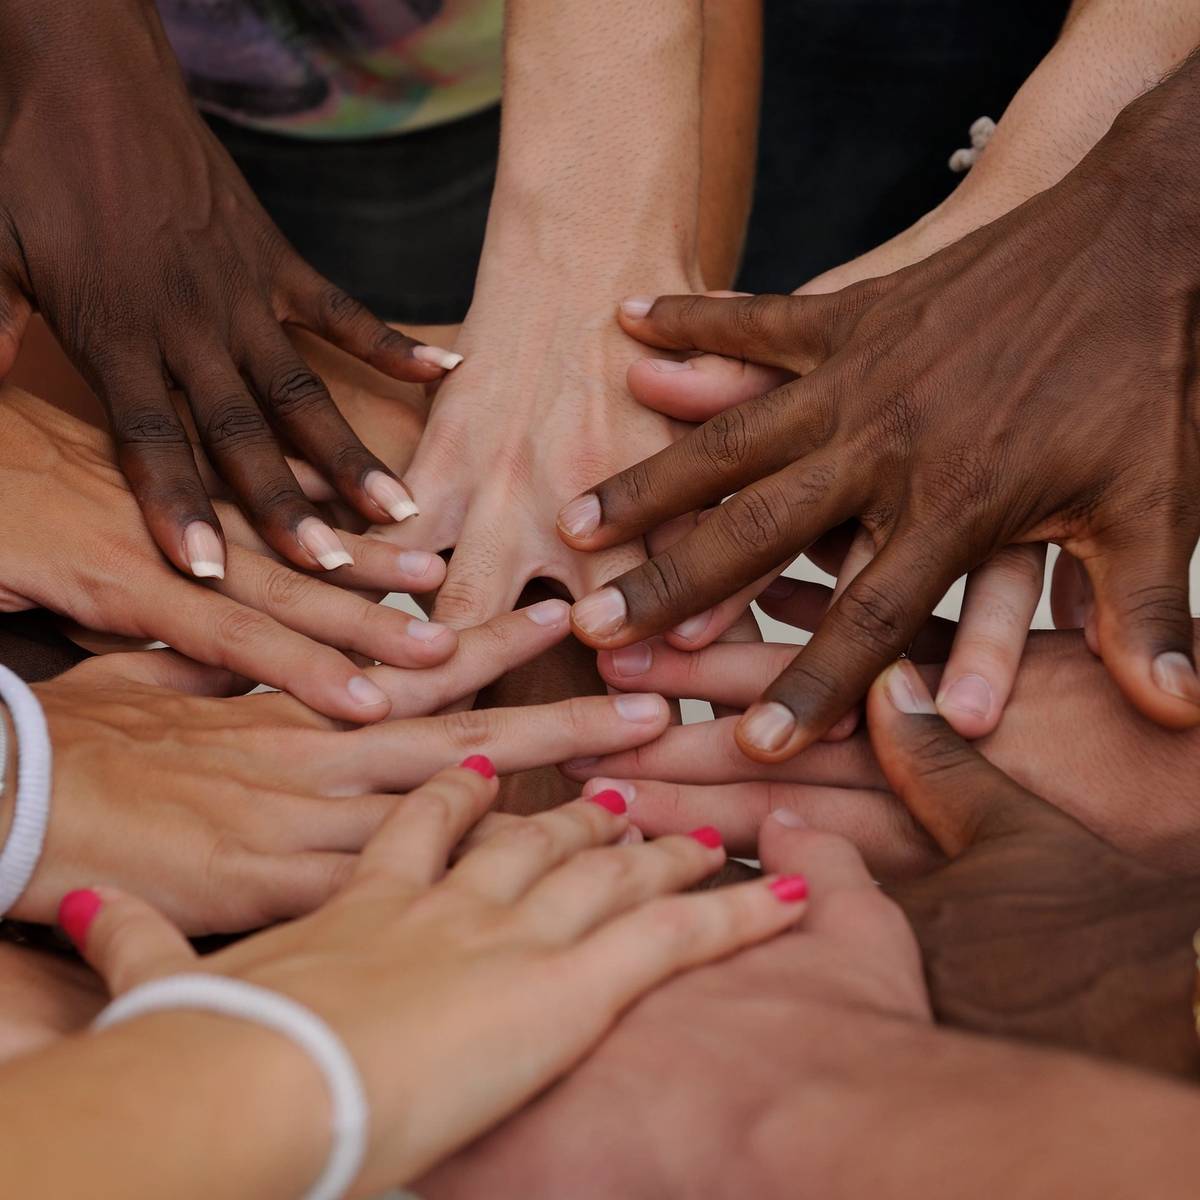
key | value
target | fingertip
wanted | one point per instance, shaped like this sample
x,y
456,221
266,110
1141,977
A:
x,y
204,551
444,360
967,704
768,732
77,911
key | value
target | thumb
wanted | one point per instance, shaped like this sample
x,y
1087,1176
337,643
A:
x,y
165,669
122,938
951,789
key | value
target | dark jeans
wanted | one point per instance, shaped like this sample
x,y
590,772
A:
x,y
863,103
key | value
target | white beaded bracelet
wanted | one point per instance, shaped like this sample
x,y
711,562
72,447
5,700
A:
x,y
236,998
31,806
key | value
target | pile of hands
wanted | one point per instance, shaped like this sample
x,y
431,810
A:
x,y
890,421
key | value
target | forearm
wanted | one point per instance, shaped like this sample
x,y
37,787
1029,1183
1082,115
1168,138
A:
x,y
597,188
180,1105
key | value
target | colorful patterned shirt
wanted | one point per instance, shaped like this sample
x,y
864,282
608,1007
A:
x,y
339,68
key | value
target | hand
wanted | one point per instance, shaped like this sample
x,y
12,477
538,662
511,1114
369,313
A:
x,y
74,543
941,487
230,814
505,969
130,229
754,1052
1067,735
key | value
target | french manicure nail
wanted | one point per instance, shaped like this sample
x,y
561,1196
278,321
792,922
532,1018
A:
x,y
391,496
323,544
645,707
602,613
622,786
581,517
1175,675
968,694
789,817
768,726
631,660
416,564
902,689
426,631
364,693
480,764
203,550
611,800
668,366
637,306
791,889
446,359
76,913
549,612
693,627
706,835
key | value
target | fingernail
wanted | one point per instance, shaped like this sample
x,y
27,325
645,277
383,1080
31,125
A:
x,y
611,800
203,551
669,365
323,544
426,631
637,306
391,496
622,787
549,612
790,888
416,564
1173,674
968,694
363,692
631,660
633,836
580,764
639,707
706,835
789,817
902,688
602,613
768,726
582,516
780,588
480,764
446,359
76,913
693,627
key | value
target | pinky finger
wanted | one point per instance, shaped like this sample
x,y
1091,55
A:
x,y
629,956
123,938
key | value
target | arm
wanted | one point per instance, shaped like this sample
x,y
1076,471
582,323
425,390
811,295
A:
x,y
598,191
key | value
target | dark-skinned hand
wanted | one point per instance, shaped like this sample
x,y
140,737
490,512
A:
x,y
125,223
1031,382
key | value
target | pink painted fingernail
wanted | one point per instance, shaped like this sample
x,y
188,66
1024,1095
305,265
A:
x,y
791,889
637,306
693,627
768,726
480,764
631,660
622,787
706,835
581,517
203,550
426,631
391,496
668,366
323,544
602,613
611,800
76,913
436,356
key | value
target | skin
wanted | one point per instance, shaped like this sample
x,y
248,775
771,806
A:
x,y
150,258
1067,734
1044,448
791,1050
539,408
425,973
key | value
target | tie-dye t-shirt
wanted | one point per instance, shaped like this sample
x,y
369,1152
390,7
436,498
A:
x,y
338,68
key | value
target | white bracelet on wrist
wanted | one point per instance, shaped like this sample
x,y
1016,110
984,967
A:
x,y
236,998
31,805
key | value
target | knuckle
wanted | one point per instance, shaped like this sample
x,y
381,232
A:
x,y
872,618
147,424
753,522
235,422
339,307
605,871
242,627
675,924
297,390
663,581
531,837
284,589
723,442
469,729
754,318
1162,605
